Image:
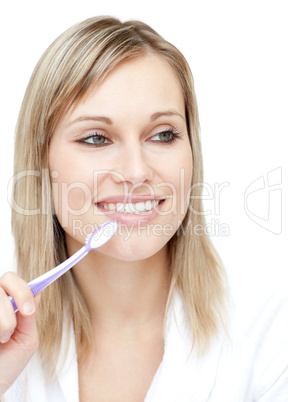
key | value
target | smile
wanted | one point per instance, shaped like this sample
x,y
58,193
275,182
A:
x,y
131,207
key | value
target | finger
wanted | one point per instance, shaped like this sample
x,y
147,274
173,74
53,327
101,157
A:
x,y
20,291
26,332
23,330
7,317
16,353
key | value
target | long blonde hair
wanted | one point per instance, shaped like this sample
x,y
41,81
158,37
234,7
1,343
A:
x,y
80,57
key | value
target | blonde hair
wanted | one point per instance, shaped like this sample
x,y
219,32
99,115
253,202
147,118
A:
x,y
74,62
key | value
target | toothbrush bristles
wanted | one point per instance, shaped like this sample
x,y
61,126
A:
x,y
87,238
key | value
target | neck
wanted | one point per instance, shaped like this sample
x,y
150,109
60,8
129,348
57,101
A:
x,y
124,294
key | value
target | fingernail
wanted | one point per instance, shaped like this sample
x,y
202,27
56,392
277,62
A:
x,y
28,308
5,338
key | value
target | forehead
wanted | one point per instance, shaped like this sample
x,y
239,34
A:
x,y
142,84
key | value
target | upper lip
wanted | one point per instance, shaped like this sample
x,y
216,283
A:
x,y
130,198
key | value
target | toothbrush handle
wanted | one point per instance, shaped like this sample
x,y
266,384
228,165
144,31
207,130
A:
x,y
40,283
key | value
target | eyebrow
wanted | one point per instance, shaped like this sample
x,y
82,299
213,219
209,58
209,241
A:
x,y
104,119
107,120
157,115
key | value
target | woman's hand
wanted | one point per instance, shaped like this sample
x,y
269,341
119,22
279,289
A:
x,y
18,332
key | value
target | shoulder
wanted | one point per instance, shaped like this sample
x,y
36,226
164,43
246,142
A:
x,y
260,334
250,363
258,345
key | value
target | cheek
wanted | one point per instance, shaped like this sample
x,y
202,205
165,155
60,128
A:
x,y
181,178
187,181
72,188
73,196
71,201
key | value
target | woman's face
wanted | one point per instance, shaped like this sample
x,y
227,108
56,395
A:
x,y
123,154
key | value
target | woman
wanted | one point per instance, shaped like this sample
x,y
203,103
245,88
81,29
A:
x,y
109,130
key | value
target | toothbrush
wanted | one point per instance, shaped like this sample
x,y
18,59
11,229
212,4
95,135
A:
x,y
94,240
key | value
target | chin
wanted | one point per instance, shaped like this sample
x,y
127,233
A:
x,y
136,249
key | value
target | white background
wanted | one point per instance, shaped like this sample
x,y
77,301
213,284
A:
x,y
237,51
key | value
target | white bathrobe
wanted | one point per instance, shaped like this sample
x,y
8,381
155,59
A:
x,y
250,365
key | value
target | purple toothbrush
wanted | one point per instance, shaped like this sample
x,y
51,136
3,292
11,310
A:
x,y
94,240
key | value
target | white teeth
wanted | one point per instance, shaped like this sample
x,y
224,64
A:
x,y
111,207
140,206
131,208
148,205
120,207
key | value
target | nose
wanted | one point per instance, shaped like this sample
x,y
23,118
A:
x,y
133,166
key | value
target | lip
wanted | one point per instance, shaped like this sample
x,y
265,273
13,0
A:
x,y
131,219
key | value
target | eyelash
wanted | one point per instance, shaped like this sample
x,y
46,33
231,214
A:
x,y
173,133
95,134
